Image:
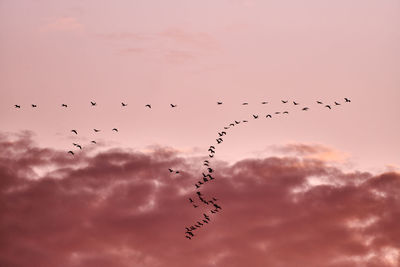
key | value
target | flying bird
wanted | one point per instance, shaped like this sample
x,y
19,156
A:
x,y
295,103
123,104
237,122
231,124
34,106
245,103
286,112
173,106
255,116
94,142
171,170
268,116
64,105
96,130
70,152
347,100
191,200
79,146
337,104
226,128
219,103
115,129
284,101
74,131
148,105
305,108
244,121
188,237
277,112
17,106
319,102
328,106
93,103
264,102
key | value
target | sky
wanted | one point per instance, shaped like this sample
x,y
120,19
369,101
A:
x,y
316,187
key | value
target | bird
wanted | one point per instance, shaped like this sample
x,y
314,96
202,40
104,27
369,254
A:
x,y
70,152
148,105
191,200
217,207
79,146
295,103
123,104
219,103
219,140
34,106
286,112
75,144
94,142
268,116
93,103
177,172
265,102
188,237
347,100
171,170
190,233
197,186
210,170
195,206
173,106
211,150
17,106
237,122
207,160
64,105
211,156
231,124
319,102
245,103
205,221
226,128
284,101
115,129
74,131
337,104
255,116
328,106
244,121
277,112
205,179
305,108
96,130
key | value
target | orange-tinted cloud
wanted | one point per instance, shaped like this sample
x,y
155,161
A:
x,y
123,208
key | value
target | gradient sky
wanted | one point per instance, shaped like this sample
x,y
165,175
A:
x,y
193,54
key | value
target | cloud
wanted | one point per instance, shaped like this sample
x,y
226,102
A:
x,y
123,208
63,24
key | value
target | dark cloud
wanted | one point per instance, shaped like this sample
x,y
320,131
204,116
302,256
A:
x,y
123,208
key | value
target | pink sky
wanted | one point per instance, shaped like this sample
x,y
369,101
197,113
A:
x,y
193,54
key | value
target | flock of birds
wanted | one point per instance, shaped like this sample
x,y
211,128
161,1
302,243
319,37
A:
x,y
207,175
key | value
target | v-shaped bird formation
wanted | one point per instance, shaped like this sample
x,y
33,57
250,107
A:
x,y
207,176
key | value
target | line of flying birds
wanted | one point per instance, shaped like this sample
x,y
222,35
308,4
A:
x,y
207,177
175,105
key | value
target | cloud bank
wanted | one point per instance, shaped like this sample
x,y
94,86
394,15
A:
x,y
123,208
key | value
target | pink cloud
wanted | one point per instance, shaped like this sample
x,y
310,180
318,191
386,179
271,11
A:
x,y
123,208
63,24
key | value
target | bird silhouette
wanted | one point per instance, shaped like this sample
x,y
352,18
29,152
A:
x,y
347,100
286,112
205,221
305,108
96,130
188,237
148,105
245,103
64,105
74,131
255,116
219,103
70,152
115,129
191,200
268,116
277,112
237,122
197,186
319,102
337,104
207,160
231,124
94,142
190,233
328,106
93,103
177,172
244,121
284,101
123,104
295,103
211,150
210,170
195,206
217,207
75,144
79,146
226,128
264,102
171,170
211,155
34,106
173,106
17,106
